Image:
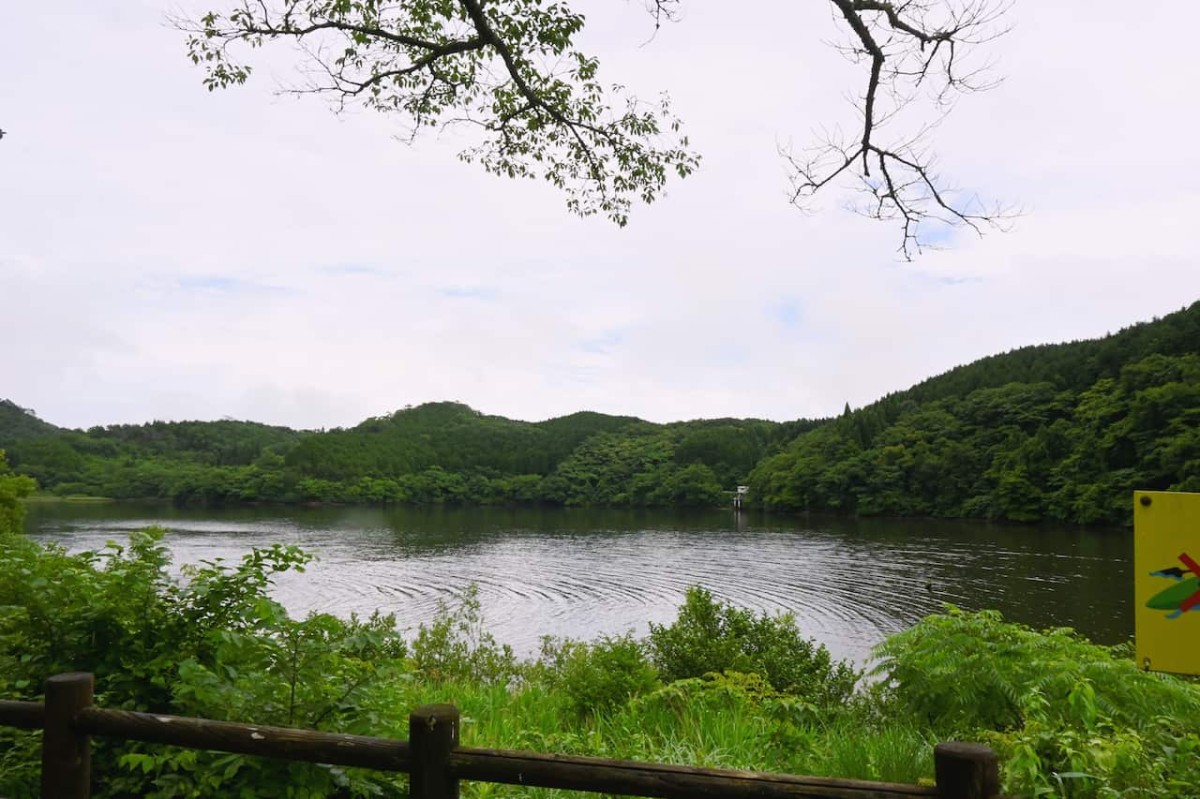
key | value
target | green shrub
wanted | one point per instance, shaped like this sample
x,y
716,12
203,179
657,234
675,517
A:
x,y
967,671
13,488
600,676
456,646
213,644
1069,718
712,636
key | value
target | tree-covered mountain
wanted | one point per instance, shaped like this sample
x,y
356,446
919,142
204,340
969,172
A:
x,y
1074,366
153,460
1061,432
451,436
433,453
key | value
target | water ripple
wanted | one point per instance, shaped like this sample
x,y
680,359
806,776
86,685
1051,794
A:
x,y
848,584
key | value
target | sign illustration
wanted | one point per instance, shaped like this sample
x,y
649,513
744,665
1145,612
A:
x,y
1166,580
1181,598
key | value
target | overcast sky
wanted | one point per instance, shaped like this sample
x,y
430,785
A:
x,y
167,253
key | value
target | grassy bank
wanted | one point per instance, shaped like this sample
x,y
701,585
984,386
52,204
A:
x,y
719,686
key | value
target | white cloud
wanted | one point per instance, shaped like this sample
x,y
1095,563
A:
x,y
170,253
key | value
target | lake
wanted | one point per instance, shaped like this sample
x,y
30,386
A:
x,y
585,573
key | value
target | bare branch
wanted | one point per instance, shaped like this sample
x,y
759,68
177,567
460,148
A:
x,y
662,11
910,47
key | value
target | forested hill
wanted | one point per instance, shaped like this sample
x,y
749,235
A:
x,y
453,437
1061,432
1049,432
154,460
442,452
17,423
1076,365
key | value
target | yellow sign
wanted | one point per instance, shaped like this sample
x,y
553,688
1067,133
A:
x,y
1166,580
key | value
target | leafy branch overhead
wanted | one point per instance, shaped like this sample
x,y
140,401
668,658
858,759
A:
x,y
511,69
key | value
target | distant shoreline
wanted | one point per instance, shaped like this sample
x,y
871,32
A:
x,y
50,499
77,499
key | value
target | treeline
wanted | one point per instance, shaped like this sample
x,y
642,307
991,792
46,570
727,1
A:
x,y
1062,432
435,453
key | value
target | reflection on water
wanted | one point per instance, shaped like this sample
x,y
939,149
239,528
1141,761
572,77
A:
x,y
586,573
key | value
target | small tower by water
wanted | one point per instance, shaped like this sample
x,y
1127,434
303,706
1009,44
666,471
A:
x,y
739,496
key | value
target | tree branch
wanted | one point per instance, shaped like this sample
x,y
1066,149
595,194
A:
x,y
432,61
905,48
510,69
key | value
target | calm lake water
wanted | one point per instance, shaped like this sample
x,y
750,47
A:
x,y
581,574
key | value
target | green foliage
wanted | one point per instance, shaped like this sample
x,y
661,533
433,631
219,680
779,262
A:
x,y
434,454
212,645
710,636
117,614
735,721
1069,717
13,488
732,448
316,673
512,69
896,750
17,423
1062,432
456,646
610,469
597,677
185,461
731,689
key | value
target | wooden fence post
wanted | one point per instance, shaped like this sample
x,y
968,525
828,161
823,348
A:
x,y
66,754
966,771
432,736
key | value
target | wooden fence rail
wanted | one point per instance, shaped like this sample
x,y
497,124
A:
x,y
436,763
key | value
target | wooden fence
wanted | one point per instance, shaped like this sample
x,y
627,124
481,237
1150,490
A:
x,y
436,763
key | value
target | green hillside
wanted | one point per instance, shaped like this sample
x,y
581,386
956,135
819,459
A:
x,y
1076,365
17,423
441,452
153,460
451,436
448,452
1062,432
